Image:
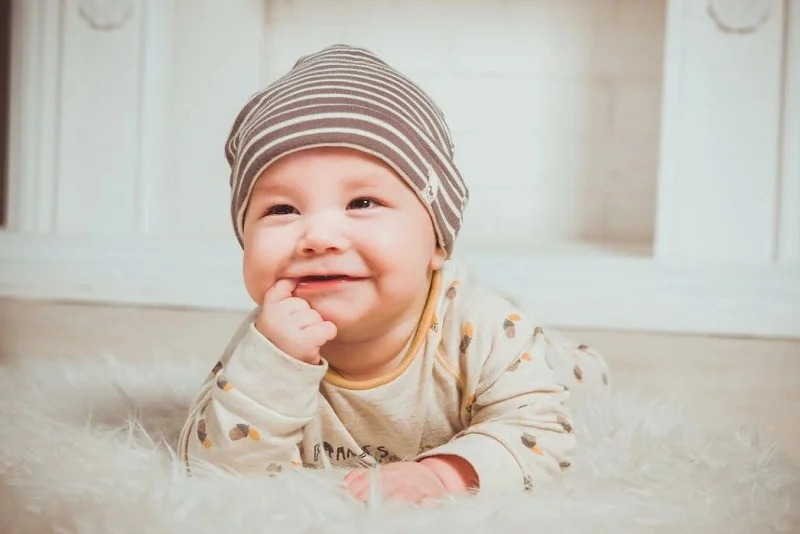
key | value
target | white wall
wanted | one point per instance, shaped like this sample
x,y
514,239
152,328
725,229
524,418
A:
x,y
554,104
639,123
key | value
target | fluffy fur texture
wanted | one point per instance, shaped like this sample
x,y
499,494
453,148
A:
x,y
85,446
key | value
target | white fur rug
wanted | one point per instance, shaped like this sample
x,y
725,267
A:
x,y
85,447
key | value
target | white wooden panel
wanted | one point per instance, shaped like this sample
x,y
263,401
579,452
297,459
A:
x,y
721,126
37,34
215,66
789,222
156,76
520,218
99,106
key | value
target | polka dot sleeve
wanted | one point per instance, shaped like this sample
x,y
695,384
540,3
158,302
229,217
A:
x,y
250,415
520,430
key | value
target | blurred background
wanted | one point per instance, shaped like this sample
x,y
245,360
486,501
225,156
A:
x,y
634,168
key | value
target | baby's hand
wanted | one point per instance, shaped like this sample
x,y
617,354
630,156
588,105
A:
x,y
292,325
408,481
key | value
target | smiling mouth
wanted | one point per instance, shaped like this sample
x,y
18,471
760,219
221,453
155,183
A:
x,y
322,279
325,278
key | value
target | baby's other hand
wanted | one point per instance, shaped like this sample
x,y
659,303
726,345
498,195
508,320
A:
x,y
407,481
292,325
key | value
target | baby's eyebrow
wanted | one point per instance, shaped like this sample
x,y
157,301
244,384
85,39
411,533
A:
x,y
355,181
264,188
363,180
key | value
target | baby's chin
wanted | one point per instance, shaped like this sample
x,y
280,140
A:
x,y
344,320
347,319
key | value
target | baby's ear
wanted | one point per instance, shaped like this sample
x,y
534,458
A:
x,y
438,259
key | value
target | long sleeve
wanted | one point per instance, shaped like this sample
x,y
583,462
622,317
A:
x,y
519,432
251,411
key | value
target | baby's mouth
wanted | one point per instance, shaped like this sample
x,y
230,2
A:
x,y
326,281
324,278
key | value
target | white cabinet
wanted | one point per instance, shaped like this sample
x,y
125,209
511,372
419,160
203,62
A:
x,y
634,164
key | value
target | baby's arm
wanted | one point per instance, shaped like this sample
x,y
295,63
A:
x,y
520,432
252,410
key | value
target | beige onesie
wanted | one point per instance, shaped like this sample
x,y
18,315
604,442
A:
x,y
480,379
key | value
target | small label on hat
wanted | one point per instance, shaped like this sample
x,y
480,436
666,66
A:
x,y
433,184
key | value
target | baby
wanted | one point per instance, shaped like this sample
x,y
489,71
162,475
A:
x,y
370,347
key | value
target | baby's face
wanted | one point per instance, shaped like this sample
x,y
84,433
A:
x,y
354,236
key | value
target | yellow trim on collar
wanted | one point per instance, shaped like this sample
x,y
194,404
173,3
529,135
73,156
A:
x,y
335,379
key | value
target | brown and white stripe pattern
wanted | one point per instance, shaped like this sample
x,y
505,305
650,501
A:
x,y
348,97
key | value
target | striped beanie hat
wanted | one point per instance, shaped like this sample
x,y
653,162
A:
x,y
348,97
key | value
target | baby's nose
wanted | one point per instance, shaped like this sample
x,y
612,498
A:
x,y
322,234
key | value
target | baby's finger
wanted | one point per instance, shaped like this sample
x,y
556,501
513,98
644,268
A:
x,y
373,486
291,306
406,493
320,333
304,318
281,290
357,484
362,494
353,475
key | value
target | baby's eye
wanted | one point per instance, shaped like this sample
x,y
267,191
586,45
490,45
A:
x,y
362,203
281,209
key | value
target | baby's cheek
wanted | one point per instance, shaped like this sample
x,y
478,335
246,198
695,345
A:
x,y
254,285
378,235
258,275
